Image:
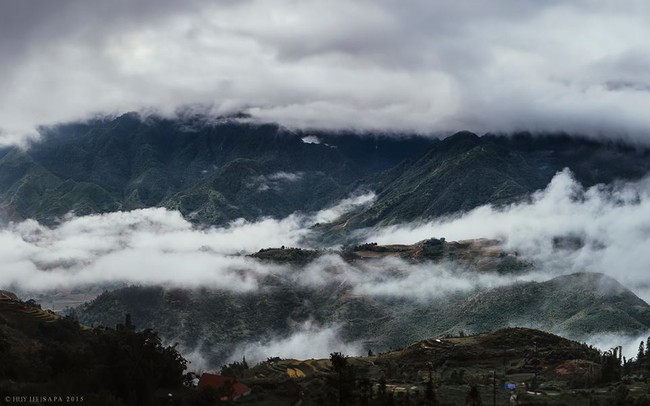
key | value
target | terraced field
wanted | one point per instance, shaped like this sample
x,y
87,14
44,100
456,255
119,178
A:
x,y
27,310
537,367
291,368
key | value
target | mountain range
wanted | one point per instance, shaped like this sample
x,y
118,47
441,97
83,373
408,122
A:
x,y
212,173
216,171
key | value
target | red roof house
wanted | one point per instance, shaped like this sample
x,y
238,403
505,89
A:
x,y
232,390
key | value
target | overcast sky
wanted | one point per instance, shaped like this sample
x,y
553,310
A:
x,y
430,66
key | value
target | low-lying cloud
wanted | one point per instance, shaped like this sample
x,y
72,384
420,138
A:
x,y
610,224
149,246
275,181
308,341
607,229
344,206
562,229
398,278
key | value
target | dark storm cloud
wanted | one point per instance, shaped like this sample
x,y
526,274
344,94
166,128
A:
x,y
428,66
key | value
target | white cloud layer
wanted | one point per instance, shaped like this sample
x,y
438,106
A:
x,y
308,341
395,277
429,66
613,223
149,246
275,181
156,246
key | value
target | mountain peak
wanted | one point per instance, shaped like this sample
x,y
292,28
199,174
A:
x,y
463,135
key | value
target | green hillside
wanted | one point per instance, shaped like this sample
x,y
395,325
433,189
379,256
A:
x,y
465,171
45,355
69,363
576,306
214,172
546,370
211,172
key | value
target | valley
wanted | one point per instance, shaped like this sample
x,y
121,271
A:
x,y
532,366
179,226
324,203
350,296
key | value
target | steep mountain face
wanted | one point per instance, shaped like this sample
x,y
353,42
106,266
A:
x,y
216,172
28,189
211,172
465,171
576,306
579,305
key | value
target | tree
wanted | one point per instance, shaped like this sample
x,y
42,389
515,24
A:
x,y
345,377
339,361
611,365
473,397
134,364
641,353
235,368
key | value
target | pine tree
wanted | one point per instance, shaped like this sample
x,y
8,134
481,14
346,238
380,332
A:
x,y
641,353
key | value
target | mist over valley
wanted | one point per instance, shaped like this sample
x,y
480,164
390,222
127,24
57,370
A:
x,y
324,203
367,268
